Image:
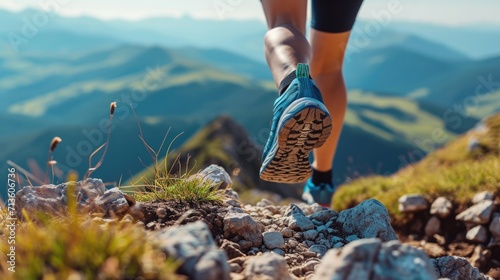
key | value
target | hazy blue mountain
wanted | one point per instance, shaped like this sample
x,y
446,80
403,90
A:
x,y
360,39
462,84
392,69
245,37
230,62
475,41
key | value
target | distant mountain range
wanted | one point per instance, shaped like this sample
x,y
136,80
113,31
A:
x,y
244,37
404,90
69,95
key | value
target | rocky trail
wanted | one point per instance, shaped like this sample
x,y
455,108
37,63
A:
x,y
233,240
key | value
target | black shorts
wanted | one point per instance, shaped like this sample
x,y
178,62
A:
x,y
334,16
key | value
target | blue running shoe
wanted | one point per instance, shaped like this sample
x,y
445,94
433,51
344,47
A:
x,y
321,194
300,123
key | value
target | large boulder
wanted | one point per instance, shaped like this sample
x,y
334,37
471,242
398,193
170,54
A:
x,y
441,207
456,268
369,219
372,259
478,214
241,224
273,240
90,195
413,203
297,220
214,175
193,247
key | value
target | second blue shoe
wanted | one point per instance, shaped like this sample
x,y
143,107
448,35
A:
x,y
321,194
300,123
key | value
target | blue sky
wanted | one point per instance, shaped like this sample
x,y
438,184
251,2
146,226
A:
x,y
448,12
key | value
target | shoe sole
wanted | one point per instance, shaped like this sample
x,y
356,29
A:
x,y
307,129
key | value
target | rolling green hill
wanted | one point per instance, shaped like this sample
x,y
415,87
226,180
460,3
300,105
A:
x,y
404,93
46,95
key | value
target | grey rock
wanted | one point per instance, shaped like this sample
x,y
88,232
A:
x,y
369,219
441,207
309,254
433,226
195,250
478,214
338,245
322,229
456,268
232,194
273,240
297,271
351,238
234,209
310,265
316,222
319,249
495,226
279,252
413,203
297,220
336,239
481,257
268,266
264,202
325,242
324,215
90,195
308,243
232,249
233,203
161,212
482,196
473,145
372,259
287,232
232,198
243,225
310,234
245,244
234,267
112,202
214,174
477,234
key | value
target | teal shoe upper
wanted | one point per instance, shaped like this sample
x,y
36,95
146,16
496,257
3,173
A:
x,y
302,86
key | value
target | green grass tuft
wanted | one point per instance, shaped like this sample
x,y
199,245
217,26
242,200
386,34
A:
x,y
158,183
180,189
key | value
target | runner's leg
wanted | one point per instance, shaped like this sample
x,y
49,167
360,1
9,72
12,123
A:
x,y
285,43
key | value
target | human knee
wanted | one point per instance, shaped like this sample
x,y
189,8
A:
x,y
281,31
285,34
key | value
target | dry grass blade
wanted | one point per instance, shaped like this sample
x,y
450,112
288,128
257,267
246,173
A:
x,y
105,145
28,175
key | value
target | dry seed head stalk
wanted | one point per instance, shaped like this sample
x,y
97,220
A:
x,y
112,108
54,143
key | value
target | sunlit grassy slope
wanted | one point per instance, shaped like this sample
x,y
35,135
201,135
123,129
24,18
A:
x,y
452,171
